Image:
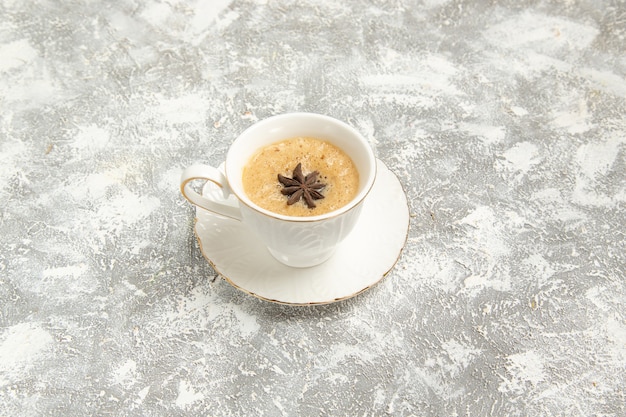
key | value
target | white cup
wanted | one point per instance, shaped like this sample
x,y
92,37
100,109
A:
x,y
294,241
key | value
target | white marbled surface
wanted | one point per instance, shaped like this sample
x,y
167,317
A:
x,y
504,120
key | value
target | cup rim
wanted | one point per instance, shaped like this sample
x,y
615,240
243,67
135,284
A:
x,y
356,201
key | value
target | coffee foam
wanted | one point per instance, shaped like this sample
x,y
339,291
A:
x,y
336,170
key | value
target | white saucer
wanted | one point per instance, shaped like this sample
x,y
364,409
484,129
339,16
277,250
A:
x,y
361,260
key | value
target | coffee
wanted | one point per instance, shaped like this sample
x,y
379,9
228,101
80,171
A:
x,y
337,179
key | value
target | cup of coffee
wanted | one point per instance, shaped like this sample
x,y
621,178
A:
x,y
299,179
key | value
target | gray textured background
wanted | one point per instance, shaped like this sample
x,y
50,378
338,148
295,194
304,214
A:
x,y
504,120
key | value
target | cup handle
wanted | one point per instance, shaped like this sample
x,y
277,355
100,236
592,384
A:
x,y
208,173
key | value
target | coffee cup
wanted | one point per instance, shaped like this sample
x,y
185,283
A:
x,y
296,241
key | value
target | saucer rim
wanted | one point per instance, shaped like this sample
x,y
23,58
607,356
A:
x,y
313,303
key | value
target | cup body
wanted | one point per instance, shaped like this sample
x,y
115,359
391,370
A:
x,y
299,241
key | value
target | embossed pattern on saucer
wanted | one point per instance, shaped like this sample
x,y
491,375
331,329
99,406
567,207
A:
x,y
361,260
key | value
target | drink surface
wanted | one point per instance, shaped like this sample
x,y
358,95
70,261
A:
x,y
336,170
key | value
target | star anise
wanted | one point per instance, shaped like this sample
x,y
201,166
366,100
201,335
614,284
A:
x,y
300,186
